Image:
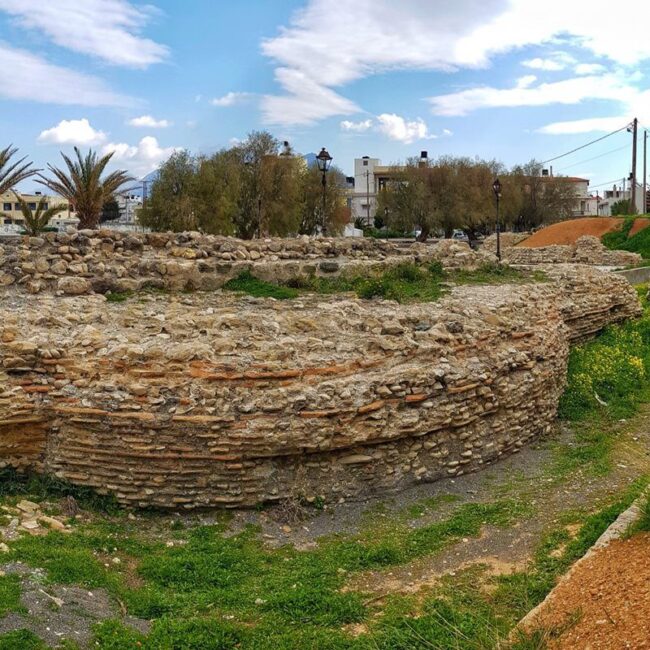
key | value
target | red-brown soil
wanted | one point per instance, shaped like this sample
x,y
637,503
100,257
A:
x,y
638,225
605,603
567,232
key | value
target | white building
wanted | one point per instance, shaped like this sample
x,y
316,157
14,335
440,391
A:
x,y
616,194
363,194
129,205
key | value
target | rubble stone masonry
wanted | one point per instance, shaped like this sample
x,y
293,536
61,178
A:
x,y
210,399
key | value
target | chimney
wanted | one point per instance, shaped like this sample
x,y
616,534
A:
x,y
424,157
544,172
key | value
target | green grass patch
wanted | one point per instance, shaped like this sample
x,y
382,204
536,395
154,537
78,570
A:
x,y
620,239
23,640
245,282
615,239
118,296
211,590
10,594
404,283
610,376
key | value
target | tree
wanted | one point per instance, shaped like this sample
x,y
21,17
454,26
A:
x,y
542,199
36,221
171,202
82,184
337,214
438,196
12,173
622,207
110,211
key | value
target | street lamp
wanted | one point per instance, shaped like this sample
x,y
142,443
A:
x,y
496,186
324,160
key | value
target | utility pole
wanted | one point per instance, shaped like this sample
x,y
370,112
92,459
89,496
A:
x,y
635,125
645,166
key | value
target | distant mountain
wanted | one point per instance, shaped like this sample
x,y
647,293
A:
x,y
310,159
148,179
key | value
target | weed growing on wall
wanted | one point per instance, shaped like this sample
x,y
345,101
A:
x,y
609,376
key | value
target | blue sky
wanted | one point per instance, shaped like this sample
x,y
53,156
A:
x,y
504,79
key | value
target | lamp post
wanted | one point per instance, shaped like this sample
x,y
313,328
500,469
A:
x,y
496,186
324,160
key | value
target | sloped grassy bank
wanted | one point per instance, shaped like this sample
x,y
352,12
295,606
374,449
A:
x,y
206,589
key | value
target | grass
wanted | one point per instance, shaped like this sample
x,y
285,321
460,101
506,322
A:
x,y
609,377
9,594
404,282
638,243
214,590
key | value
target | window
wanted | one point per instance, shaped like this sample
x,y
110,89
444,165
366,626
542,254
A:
x,y
6,207
365,163
31,206
45,206
16,206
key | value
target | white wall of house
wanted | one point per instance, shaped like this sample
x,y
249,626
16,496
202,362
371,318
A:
x,y
363,198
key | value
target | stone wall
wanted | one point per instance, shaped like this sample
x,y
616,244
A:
x,y
106,260
214,400
586,250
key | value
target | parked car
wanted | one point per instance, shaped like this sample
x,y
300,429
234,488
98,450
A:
x,y
459,235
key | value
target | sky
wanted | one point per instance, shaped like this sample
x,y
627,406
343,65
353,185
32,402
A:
x,y
498,79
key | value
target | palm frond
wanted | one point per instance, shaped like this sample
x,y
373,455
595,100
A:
x,y
12,173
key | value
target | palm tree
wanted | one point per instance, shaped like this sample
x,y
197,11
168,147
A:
x,y
36,222
82,184
12,173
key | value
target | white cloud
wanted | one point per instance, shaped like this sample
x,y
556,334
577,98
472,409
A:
x,y
78,132
356,127
554,62
584,126
526,81
589,68
230,99
396,127
306,101
27,77
105,29
549,65
633,103
150,122
568,91
142,158
319,48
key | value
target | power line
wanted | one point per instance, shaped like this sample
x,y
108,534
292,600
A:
x,y
594,158
585,145
606,183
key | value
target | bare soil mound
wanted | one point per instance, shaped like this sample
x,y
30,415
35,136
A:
x,y
568,232
638,225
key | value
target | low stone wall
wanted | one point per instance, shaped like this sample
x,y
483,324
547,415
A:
x,y
105,260
214,400
587,250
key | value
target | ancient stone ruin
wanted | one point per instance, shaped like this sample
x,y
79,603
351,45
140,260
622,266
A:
x,y
211,399
586,250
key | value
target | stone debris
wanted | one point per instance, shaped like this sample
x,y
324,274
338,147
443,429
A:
x,y
212,399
